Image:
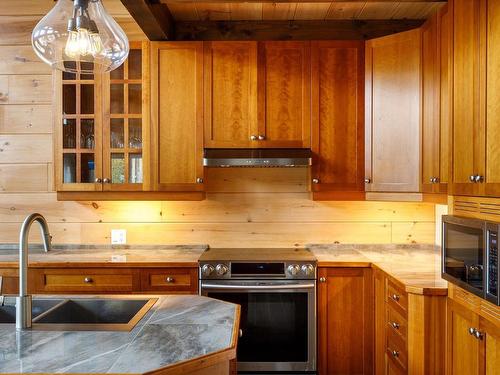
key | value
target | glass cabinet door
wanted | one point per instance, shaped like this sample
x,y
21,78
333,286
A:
x,y
125,123
79,167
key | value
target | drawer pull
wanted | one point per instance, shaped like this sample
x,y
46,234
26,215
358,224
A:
x,y
395,297
395,353
88,280
169,279
395,325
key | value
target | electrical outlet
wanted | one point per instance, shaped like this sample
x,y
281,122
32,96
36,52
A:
x,y
118,236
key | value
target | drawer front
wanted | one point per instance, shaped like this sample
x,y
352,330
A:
x,y
396,323
394,369
396,350
397,297
170,280
86,281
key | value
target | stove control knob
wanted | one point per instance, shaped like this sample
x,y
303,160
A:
x,y
207,269
221,269
293,269
307,269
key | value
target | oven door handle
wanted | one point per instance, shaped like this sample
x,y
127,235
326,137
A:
x,y
261,287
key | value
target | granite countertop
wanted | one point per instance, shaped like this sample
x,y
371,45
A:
x,y
418,267
176,329
98,255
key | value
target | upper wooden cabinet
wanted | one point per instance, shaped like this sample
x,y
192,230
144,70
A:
x,y
476,108
102,128
337,117
436,101
284,94
177,115
230,94
393,113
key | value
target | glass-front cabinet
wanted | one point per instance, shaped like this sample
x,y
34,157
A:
x,y
103,127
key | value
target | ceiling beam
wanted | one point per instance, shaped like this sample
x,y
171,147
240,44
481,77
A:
x,y
291,30
153,17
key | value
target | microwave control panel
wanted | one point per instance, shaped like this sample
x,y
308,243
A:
x,y
492,267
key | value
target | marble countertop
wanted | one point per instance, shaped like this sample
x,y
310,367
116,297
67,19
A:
x,y
125,255
418,267
177,328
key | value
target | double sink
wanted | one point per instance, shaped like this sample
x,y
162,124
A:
x,y
82,314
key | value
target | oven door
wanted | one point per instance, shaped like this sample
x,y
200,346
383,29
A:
x,y
464,253
278,322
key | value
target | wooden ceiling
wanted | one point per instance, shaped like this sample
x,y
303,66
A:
x,y
283,11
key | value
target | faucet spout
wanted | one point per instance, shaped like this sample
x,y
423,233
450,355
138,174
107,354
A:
x,y
23,303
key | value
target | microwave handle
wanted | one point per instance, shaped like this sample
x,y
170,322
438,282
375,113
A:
x,y
253,287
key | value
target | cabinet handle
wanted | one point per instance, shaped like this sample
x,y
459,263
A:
x,y
322,279
395,297
315,180
472,178
106,181
368,181
262,137
199,180
395,325
472,331
478,178
169,279
395,353
253,137
478,335
88,280
436,180
98,180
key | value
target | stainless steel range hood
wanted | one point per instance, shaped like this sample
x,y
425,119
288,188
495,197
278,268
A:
x,y
257,157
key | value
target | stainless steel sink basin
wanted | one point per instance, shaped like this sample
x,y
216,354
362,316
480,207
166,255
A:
x,y
84,314
39,306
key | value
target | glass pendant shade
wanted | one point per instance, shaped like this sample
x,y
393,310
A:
x,y
79,36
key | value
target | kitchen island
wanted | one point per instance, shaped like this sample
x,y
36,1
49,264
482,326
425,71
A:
x,y
180,334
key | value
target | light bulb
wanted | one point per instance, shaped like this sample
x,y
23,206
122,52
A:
x,y
79,36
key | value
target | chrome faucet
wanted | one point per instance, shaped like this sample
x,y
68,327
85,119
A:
x,y
23,301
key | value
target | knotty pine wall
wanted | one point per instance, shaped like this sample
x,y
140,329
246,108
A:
x,y
244,207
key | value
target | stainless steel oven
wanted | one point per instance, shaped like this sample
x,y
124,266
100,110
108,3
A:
x,y
278,313
470,255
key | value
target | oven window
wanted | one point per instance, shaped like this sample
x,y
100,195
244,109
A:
x,y
274,326
464,254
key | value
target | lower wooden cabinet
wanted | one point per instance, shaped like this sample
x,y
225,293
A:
x,y
104,280
345,321
473,335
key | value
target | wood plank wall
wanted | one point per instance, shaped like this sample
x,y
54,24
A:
x,y
244,207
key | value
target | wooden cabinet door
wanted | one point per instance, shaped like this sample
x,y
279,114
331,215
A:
x,y
379,281
468,133
126,130
393,66
489,346
177,115
345,315
492,177
284,94
230,94
462,347
338,116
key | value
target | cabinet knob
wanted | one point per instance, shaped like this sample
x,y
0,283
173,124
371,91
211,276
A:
x,y
88,280
315,180
395,297
106,180
395,325
368,181
478,178
253,137
199,180
478,335
322,279
262,137
472,178
395,353
169,279
98,180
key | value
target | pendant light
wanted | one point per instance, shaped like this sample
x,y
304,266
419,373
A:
x,y
79,36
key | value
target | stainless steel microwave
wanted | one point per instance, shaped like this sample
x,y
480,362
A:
x,y
470,255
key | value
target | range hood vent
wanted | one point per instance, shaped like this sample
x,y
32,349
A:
x,y
257,157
